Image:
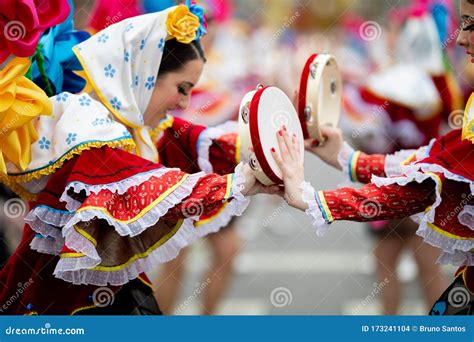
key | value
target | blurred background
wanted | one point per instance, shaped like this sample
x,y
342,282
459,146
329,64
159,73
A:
x,y
405,82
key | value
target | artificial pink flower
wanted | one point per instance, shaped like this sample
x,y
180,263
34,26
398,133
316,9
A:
x,y
108,12
23,21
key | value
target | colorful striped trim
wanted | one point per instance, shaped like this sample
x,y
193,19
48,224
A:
x,y
323,206
353,165
238,149
230,181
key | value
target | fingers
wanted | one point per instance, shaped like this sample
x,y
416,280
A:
x,y
278,159
296,147
282,145
296,144
289,143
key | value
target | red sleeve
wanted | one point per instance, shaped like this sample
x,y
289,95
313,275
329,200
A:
x,y
372,203
177,147
194,148
224,153
363,166
208,196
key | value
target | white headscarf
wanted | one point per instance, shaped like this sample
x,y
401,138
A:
x,y
122,61
121,64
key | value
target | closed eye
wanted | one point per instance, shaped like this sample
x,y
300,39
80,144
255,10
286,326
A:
x,y
182,91
468,28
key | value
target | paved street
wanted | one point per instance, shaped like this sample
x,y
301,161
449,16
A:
x,y
284,268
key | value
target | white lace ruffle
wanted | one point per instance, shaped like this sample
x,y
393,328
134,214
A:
x,y
309,197
419,173
206,140
47,244
458,258
47,221
138,226
393,162
78,270
424,151
343,158
466,216
119,187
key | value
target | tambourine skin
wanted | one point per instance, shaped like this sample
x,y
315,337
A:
x,y
319,101
262,113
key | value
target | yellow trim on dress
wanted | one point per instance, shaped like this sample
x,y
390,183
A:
x,y
32,313
467,127
18,189
167,123
439,183
85,235
407,160
446,234
142,212
127,144
83,308
213,217
149,284
463,275
72,255
144,254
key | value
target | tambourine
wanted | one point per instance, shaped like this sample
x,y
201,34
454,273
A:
x,y
319,100
262,114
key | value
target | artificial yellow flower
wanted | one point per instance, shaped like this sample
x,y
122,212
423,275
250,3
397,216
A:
x,y
21,102
182,24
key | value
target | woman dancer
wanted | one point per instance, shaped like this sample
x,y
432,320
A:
x,y
104,210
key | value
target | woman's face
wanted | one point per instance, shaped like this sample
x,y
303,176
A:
x,y
466,33
172,91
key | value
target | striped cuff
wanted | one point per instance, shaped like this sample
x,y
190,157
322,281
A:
x,y
353,166
323,206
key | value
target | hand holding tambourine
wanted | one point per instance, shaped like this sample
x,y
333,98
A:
x,y
263,113
319,97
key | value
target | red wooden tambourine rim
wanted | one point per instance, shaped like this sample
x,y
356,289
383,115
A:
x,y
255,136
302,94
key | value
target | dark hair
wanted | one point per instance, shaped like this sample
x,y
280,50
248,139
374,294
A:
x,y
176,54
